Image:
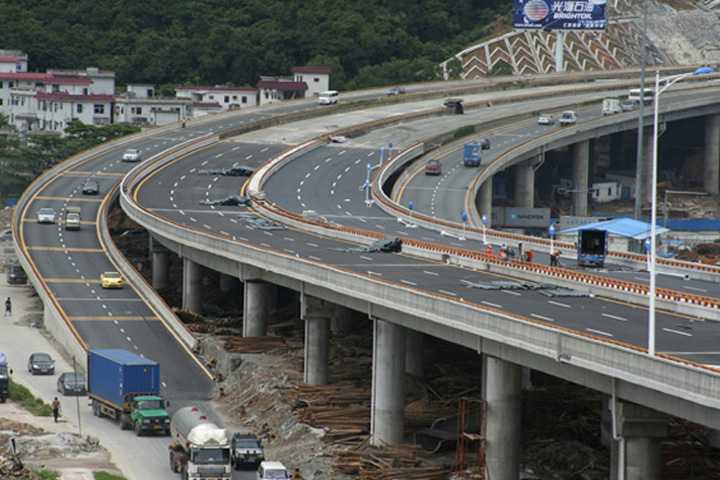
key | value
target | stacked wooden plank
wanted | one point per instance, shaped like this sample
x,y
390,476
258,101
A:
x,y
407,462
237,344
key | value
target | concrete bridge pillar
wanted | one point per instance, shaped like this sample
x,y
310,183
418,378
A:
x,y
317,314
641,430
647,161
160,266
192,286
524,185
712,154
414,342
485,201
388,392
502,394
581,168
341,322
255,306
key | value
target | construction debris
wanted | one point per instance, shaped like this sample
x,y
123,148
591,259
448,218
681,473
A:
x,y
231,201
383,245
239,171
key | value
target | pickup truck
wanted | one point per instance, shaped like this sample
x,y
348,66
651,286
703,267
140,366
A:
x,y
568,118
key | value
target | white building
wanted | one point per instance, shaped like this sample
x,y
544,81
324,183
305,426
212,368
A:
x,y
219,98
277,89
606,190
13,61
102,82
316,78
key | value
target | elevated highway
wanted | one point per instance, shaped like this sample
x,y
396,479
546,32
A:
x,y
402,293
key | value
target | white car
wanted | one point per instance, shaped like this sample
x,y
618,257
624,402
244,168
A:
x,y
272,471
546,120
46,215
131,155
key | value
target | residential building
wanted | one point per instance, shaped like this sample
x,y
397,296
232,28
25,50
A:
x,y
219,98
316,78
13,61
277,89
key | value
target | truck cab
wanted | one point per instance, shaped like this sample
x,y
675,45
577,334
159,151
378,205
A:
x,y
568,117
148,414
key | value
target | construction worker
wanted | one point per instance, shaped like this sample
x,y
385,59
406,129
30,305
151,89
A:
x,y
296,475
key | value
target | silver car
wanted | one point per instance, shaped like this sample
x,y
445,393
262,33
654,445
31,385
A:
x,y
46,215
131,155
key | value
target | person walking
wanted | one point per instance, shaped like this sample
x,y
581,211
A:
x,y
56,408
8,307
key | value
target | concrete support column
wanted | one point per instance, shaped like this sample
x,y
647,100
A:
x,y
581,168
192,286
524,185
228,283
414,342
160,266
646,188
501,392
255,306
388,384
641,430
712,154
485,201
317,315
341,322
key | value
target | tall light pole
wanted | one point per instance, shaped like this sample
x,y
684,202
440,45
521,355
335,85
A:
x,y
666,83
641,118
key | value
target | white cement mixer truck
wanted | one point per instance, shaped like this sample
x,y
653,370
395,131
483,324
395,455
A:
x,y
200,449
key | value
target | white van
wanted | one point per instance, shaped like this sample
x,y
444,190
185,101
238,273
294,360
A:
x,y
328,98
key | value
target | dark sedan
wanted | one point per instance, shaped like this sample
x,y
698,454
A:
x,y
71,383
16,275
91,187
485,143
41,363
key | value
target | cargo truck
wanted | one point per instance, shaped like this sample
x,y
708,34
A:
x,y
72,218
472,154
200,449
592,247
126,387
4,379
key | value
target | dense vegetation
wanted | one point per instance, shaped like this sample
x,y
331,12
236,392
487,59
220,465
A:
x,y
233,42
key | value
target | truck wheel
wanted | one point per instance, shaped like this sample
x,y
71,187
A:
x,y
2,399
96,408
125,422
136,427
173,465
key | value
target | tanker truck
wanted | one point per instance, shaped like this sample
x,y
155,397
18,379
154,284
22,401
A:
x,y
200,449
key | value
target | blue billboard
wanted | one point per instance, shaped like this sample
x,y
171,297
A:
x,y
559,15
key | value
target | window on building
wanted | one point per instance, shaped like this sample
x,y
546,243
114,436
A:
x,y
610,192
79,108
85,91
99,109
138,110
1,84
227,98
234,97
211,97
316,80
11,84
1,102
244,99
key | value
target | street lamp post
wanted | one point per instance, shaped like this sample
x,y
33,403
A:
x,y
667,82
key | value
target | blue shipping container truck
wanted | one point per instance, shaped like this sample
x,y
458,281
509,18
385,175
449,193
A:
x,y
472,155
124,385
592,247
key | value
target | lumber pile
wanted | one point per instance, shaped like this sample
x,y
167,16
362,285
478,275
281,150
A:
x,y
237,344
407,462
12,467
342,410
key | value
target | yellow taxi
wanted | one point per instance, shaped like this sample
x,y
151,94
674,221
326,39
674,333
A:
x,y
111,280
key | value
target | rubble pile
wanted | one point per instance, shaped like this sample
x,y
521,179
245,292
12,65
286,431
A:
x,y
12,467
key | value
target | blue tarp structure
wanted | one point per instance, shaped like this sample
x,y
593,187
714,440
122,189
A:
x,y
624,227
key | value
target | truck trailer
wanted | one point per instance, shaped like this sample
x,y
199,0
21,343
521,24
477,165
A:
x,y
472,154
592,247
4,378
126,387
200,449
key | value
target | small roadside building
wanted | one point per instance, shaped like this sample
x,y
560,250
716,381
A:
x,y
316,78
227,98
624,234
277,89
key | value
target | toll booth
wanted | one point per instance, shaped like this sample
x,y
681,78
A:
x,y
453,106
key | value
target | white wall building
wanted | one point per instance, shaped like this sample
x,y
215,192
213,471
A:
x,y
606,190
316,78
13,61
226,98
277,89
103,82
